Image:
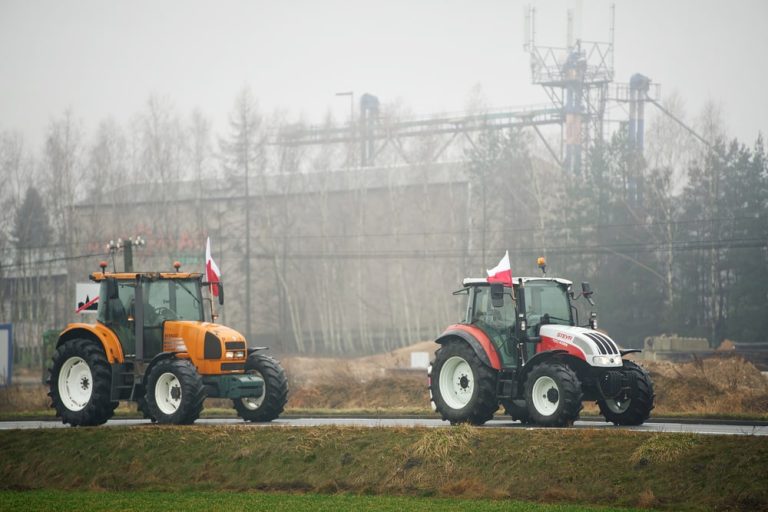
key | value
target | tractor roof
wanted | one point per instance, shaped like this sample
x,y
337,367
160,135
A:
x,y
131,276
480,281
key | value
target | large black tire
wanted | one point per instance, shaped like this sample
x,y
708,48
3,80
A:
x,y
517,410
268,406
143,407
462,387
81,392
640,404
175,392
553,394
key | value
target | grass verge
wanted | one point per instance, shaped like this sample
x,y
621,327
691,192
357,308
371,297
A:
x,y
616,468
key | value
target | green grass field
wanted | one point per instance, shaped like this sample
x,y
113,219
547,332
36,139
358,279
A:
x,y
272,502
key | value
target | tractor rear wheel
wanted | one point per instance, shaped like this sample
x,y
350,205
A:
x,y
271,403
637,406
463,389
175,392
553,393
80,383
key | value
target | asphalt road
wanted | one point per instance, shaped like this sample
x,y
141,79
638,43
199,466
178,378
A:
x,y
698,428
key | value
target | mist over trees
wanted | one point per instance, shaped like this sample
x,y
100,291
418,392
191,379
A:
x,y
322,256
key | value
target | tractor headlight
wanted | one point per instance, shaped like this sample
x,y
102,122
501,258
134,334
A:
x,y
605,360
229,355
240,354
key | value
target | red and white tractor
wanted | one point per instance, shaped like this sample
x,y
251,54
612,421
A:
x,y
522,347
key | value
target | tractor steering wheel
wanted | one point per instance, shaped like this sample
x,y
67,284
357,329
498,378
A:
x,y
166,313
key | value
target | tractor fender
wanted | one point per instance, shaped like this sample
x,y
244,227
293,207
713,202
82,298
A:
x,y
476,339
577,364
97,332
253,350
153,362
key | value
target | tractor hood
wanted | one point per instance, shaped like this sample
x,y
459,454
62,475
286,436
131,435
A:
x,y
204,340
594,347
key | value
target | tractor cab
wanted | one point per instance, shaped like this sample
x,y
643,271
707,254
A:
x,y
512,317
137,306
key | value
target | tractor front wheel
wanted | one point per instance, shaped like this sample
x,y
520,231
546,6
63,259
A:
x,y
80,382
553,393
175,392
271,403
463,389
635,407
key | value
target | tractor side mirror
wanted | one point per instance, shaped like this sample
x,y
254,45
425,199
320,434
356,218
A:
x,y
586,291
497,295
221,294
112,288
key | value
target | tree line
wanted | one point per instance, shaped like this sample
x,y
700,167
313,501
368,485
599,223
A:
x,y
673,239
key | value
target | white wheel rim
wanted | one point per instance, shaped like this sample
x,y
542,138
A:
x,y
457,382
617,406
75,383
168,393
253,403
545,395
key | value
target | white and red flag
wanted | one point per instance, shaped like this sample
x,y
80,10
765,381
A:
x,y
501,273
212,272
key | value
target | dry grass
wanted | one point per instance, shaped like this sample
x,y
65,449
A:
x,y
716,386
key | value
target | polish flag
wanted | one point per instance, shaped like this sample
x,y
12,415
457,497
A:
x,y
212,272
501,273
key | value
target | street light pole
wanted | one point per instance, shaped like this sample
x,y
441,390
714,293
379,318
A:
x,y
351,95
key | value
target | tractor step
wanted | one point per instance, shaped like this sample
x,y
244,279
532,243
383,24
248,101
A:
x,y
506,387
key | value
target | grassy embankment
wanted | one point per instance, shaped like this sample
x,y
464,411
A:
x,y
616,468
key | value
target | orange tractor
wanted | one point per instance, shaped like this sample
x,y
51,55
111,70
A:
x,y
151,345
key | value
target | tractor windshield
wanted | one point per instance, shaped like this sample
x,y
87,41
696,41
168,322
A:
x,y
547,297
173,299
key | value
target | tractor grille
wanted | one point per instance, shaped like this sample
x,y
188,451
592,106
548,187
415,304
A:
x,y
235,345
231,367
604,343
211,347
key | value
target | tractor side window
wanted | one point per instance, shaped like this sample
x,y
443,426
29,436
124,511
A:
x,y
497,318
119,315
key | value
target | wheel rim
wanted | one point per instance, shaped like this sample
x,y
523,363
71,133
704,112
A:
x,y
75,383
253,403
545,395
457,382
618,406
168,393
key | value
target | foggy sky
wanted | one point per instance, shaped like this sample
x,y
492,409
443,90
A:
x,y
104,59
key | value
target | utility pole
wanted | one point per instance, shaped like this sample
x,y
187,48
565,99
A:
x,y
126,246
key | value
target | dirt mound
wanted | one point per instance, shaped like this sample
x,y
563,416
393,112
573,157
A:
x,y
312,371
721,385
